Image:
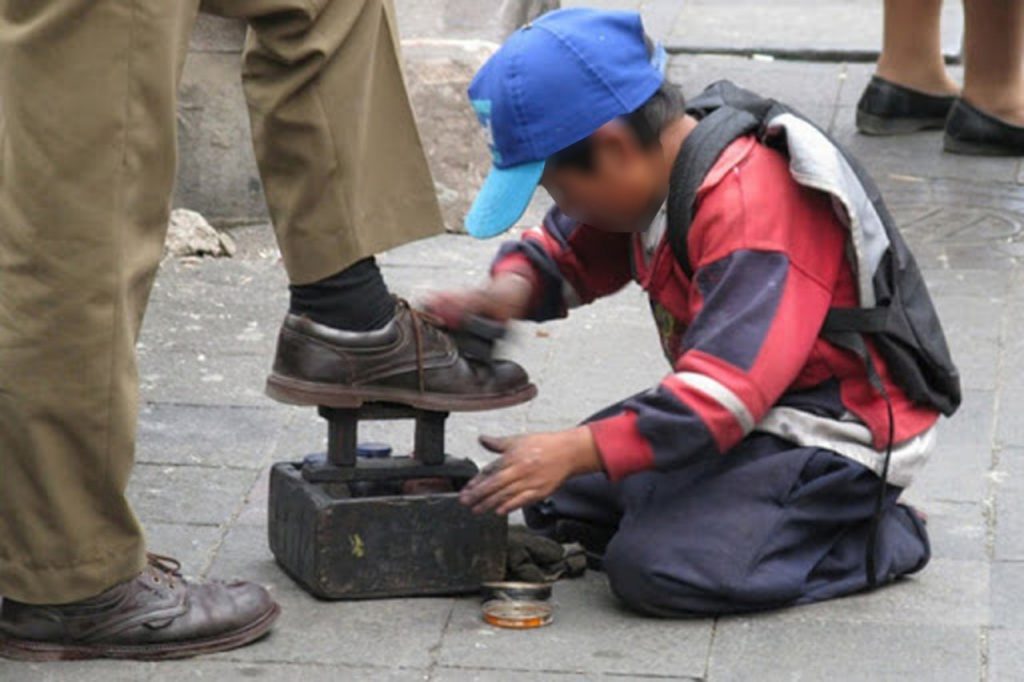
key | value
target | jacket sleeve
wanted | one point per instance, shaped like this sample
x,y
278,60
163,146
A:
x,y
757,304
569,264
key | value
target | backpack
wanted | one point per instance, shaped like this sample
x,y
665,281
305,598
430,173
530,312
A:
x,y
895,311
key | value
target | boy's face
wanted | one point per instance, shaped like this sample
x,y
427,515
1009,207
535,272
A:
x,y
620,192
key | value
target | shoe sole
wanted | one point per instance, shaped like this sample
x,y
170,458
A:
x,y
31,650
308,393
955,146
871,124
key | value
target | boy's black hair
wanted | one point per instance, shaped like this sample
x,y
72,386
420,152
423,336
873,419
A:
x,y
647,122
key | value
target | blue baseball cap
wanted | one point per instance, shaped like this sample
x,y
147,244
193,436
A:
x,y
553,83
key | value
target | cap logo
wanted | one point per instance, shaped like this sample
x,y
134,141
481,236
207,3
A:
x,y
482,107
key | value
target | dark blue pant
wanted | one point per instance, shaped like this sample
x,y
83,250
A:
x,y
766,525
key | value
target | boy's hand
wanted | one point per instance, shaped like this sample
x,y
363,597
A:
x,y
503,298
531,467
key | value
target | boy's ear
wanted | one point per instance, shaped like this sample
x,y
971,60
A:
x,y
615,142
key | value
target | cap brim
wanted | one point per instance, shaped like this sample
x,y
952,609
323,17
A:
x,y
503,199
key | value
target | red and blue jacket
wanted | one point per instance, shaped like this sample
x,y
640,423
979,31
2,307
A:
x,y
742,335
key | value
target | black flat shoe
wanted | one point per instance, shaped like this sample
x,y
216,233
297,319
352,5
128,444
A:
x,y
970,130
889,109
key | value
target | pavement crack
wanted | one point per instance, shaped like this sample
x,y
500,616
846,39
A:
x,y
265,463
194,465
807,55
983,654
991,487
435,650
843,80
574,673
207,406
711,644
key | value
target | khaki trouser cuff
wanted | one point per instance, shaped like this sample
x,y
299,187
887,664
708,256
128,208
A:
x,y
35,584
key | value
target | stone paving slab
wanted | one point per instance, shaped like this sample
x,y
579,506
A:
x,y
957,529
79,671
194,545
1008,478
811,88
1010,428
191,378
249,330
218,439
918,155
462,674
590,634
217,671
813,28
1006,655
1007,597
958,468
956,589
213,494
832,29
467,674
975,349
765,649
944,283
828,93
625,357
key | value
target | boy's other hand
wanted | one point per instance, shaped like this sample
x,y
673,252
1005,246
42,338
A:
x,y
531,468
503,298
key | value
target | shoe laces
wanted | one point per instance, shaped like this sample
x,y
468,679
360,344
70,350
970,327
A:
x,y
168,566
419,319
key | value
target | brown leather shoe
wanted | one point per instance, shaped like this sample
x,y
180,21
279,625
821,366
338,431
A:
x,y
156,615
411,361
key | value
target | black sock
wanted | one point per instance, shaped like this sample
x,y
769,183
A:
x,y
355,299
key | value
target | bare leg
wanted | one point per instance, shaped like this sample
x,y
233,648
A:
x,y
994,57
912,49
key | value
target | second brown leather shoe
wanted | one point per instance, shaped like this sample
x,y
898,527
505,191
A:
x,y
156,615
411,361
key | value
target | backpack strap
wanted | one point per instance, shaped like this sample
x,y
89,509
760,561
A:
x,y
854,341
699,152
860,320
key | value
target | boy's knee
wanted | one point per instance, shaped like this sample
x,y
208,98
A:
x,y
636,580
647,581
630,579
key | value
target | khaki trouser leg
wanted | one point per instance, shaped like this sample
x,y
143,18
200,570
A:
x,y
342,164
87,156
